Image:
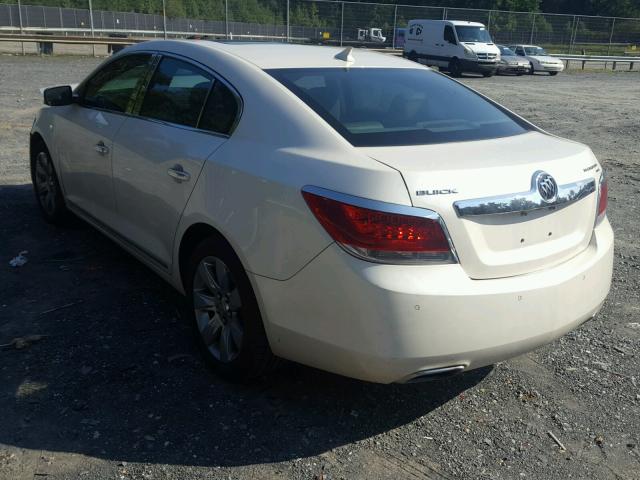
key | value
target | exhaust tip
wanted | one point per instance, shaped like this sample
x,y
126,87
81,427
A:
x,y
435,374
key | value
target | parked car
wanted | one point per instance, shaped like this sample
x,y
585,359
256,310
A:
x,y
512,63
539,59
394,233
452,45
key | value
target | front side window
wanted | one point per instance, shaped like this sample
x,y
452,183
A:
x,y
473,34
449,36
114,87
176,93
398,106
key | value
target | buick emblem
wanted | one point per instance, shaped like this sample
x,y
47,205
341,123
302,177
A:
x,y
547,186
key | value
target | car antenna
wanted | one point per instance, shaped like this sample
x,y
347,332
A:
x,y
345,55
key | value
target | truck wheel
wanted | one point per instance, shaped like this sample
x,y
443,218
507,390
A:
x,y
413,56
454,68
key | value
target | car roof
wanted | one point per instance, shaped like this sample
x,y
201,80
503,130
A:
x,y
266,55
451,22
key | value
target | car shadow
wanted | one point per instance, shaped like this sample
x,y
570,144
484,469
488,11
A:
x,y
116,374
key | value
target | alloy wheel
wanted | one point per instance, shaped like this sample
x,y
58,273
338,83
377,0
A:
x,y
217,307
45,183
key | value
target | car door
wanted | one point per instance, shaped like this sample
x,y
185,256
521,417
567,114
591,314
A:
x,y
186,114
84,135
449,45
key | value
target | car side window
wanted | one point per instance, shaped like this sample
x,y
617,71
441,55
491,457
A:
x,y
115,86
449,36
176,93
221,110
520,51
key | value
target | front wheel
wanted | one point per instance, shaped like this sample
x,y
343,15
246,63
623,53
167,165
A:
x,y
488,74
225,313
553,74
531,70
47,188
455,68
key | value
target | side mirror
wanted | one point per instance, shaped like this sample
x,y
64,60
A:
x,y
58,96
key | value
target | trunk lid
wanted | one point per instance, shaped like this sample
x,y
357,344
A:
x,y
490,173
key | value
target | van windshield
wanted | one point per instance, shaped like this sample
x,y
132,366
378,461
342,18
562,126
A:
x,y
473,34
398,106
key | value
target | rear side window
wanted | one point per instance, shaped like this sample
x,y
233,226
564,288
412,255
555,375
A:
x,y
176,93
114,86
449,36
221,110
398,106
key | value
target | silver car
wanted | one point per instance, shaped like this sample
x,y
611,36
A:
x,y
512,63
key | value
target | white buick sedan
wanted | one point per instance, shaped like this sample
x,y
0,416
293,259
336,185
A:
x,y
348,210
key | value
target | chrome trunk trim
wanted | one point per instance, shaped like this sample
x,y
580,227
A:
x,y
525,201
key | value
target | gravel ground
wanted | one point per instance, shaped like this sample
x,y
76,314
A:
x,y
115,388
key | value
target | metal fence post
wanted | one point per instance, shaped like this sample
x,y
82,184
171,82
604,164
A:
x,y
164,18
288,27
341,23
533,26
20,19
226,18
395,20
444,13
573,33
489,22
613,26
93,33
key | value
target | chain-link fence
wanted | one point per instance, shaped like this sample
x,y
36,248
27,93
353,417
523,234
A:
x,y
320,21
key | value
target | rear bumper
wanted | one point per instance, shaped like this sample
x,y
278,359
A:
x,y
384,323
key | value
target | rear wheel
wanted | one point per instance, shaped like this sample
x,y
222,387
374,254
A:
x,y
413,56
454,68
225,313
46,187
488,74
553,74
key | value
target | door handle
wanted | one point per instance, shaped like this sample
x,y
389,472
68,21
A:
x,y
101,148
178,174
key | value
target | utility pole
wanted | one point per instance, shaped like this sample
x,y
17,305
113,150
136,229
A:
x,y
20,18
164,17
93,33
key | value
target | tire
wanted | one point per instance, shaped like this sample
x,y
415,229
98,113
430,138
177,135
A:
x,y
454,68
225,313
488,74
519,74
413,56
47,187
553,74
532,71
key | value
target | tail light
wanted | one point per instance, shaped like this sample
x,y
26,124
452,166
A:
x,y
381,232
603,192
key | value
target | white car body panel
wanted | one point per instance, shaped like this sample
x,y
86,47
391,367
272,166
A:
x,y
320,305
541,63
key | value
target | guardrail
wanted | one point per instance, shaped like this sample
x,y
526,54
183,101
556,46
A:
x,y
598,59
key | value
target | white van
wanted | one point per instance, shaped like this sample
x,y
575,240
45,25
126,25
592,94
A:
x,y
453,45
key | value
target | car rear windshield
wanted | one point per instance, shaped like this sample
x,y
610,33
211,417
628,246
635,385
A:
x,y
398,106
